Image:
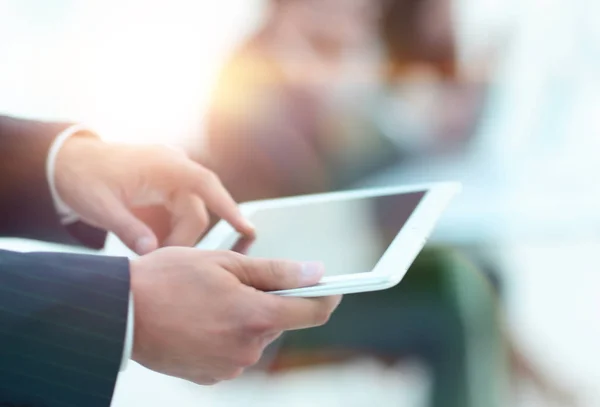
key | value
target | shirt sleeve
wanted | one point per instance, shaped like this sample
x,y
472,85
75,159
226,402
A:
x,y
66,214
128,346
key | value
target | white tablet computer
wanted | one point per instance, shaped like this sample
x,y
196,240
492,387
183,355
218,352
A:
x,y
367,239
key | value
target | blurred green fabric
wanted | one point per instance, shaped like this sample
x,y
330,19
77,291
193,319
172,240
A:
x,y
443,313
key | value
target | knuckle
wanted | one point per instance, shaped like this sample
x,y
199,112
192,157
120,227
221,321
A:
x,y
165,160
207,176
258,325
248,358
177,150
197,217
201,215
275,271
228,258
159,152
321,316
224,254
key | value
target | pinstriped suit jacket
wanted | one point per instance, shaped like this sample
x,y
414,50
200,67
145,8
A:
x,y
62,316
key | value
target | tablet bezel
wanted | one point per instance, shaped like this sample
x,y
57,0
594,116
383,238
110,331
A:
x,y
395,261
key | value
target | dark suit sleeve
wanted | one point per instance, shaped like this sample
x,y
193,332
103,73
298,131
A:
x,y
26,206
62,328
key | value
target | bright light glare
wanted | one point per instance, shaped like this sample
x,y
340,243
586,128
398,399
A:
x,y
136,71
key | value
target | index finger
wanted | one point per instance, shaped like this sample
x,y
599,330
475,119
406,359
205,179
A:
x,y
292,313
208,186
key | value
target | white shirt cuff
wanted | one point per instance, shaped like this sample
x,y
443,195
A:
x,y
66,214
128,348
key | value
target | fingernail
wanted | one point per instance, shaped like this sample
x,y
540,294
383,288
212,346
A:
x,y
312,271
145,245
249,225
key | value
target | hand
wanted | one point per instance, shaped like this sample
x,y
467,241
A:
x,y
200,315
110,186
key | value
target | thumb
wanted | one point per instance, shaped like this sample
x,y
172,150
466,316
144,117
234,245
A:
x,y
118,219
270,275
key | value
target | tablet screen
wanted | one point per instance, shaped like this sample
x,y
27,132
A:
x,y
348,236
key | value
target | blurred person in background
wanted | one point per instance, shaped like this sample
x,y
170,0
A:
x,y
298,109
429,106
276,107
325,93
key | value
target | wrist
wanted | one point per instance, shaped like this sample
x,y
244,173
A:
x,y
74,156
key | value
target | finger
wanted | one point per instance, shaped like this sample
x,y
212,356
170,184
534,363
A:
x,y
243,245
261,340
117,218
291,313
189,219
208,186
270,338
270,275
157,217
177,149
175,171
